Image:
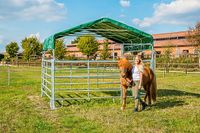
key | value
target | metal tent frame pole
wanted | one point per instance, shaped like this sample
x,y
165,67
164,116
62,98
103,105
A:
x,y
42,75
52,101
153,61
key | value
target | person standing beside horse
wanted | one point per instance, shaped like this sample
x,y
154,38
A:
x,y
143,76
137,75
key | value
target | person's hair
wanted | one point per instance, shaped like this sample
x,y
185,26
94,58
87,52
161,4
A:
x,y
140,59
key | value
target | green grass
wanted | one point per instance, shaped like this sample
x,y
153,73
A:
x,y
23,110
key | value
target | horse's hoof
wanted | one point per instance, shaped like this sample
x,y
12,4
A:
x,y
154,103
122,108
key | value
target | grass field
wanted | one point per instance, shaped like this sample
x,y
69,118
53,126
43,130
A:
x,y
23,110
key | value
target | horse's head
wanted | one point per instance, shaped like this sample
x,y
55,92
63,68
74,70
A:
x,y
125,67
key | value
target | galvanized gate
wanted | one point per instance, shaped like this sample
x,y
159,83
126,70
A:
x,y
67,80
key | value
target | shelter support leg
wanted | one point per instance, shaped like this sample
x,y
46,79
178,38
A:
x,y
42,83
152,66
52,101
52,104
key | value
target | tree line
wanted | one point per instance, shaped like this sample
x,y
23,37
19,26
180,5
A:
x,y
32,47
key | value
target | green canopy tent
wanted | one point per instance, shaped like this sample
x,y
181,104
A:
x,y
131,38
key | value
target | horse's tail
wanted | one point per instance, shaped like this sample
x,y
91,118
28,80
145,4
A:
x,y
153,87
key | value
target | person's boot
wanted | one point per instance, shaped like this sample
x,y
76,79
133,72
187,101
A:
x,y
135,110
143,104
136,105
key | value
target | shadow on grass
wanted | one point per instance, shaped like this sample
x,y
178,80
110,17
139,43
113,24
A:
x,y
161,104
79,99
117,92
168,92
169,104
75,99
171,94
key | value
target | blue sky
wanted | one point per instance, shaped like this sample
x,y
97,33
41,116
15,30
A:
x,y
22,18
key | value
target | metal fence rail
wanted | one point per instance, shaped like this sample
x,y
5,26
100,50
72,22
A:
x,y
79,80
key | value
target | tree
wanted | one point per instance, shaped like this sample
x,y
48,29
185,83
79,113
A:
x,y
105,54
166,56
194,38
12,49
59,49
1,56
88,45
6,57
31,47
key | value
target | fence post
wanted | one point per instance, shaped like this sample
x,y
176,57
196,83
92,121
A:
x,y
97,76
164,71
113,53
168,67
186,68
70,75
52,102
8,67
88,64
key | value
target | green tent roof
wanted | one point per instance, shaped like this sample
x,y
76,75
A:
x,y
105,27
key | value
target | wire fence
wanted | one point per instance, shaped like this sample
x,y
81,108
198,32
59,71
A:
x,y
13,75
10,74
80,80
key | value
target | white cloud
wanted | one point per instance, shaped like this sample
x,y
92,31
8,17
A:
x,y
177,12
122,15
125,3
47,10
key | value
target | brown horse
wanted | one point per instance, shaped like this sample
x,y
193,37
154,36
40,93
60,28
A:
x,y
149,81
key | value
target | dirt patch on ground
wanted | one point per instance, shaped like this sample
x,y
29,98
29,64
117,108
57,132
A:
x,y
43,108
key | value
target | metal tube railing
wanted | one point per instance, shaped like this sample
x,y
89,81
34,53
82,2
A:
x,y
96,77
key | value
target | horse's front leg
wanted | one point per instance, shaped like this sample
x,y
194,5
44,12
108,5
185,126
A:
x,y
124,90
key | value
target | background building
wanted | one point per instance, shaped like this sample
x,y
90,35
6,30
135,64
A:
x,y
177,41
114,48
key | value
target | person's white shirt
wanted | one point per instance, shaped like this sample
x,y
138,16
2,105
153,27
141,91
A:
x,y
135,73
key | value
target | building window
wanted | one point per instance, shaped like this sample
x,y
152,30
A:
x,y
170,38
158,52
185,52
181,37
115,54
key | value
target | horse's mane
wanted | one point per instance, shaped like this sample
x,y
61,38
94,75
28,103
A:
x,y
125,64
